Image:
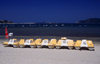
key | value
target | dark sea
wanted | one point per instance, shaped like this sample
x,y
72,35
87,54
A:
x,y
55,29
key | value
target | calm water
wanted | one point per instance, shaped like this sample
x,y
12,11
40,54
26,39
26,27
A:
x,y
59,29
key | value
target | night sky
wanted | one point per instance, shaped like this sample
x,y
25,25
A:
x,y
67,11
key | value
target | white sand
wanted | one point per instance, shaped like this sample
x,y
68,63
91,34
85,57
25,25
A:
x,y
9,55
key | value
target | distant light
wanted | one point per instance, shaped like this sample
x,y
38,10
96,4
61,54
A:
x,y
46,25
22,25
62,24
56,25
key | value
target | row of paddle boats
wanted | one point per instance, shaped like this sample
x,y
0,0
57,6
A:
x,y
52,43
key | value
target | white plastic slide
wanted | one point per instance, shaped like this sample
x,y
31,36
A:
x,y
27,42
11,41
84,43
64,42
45,42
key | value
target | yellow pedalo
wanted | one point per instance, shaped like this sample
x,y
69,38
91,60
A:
x,y
38,42
18,43
84,43
33,43
10,42
64,42
43,43
26,42
52,43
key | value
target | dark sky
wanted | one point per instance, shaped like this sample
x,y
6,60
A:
x,y
49,10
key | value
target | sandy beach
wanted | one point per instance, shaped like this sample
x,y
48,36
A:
x,y
10,55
